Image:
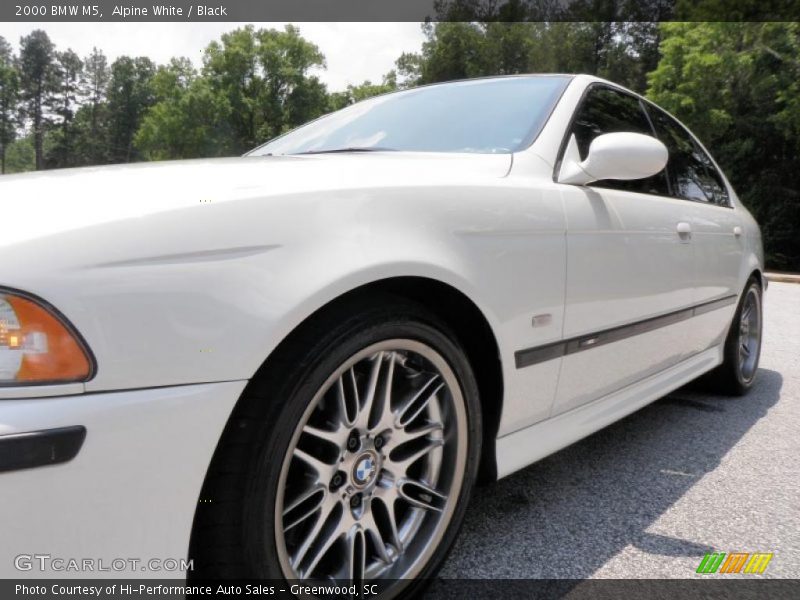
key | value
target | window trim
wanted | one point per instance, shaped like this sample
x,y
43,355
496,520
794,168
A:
x,y
728,191
565,137
644,104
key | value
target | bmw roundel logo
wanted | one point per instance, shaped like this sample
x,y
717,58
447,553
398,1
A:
x,y
364,469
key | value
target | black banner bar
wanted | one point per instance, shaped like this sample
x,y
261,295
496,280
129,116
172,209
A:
x,y
395,10
707,587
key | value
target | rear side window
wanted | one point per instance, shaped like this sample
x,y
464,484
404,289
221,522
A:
x,y
691,173
604,110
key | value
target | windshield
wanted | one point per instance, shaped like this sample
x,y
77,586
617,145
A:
x,y
485,116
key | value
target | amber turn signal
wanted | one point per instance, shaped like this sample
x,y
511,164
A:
x,y
36,346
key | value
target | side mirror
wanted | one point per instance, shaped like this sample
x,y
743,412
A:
x,y
613,156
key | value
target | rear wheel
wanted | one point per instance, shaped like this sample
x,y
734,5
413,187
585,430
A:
x,y
360,456
742,351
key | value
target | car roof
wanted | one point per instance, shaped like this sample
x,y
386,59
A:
x,y
582,78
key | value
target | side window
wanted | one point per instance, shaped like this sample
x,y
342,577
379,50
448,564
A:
x,y
605,110
713,184
691,173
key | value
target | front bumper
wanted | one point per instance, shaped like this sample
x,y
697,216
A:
x,y
131,490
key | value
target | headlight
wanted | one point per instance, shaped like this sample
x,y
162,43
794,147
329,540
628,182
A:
x,y
38,346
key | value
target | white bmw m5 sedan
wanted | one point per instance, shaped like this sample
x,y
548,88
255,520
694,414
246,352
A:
x,y
296,364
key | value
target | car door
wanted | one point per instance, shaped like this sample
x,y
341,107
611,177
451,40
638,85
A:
x,y
630,266
717,236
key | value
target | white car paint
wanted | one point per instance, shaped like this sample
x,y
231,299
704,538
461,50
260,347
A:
x,y
618,155
184,276
130,492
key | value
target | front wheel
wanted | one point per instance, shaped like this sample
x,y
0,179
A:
x,y
367,450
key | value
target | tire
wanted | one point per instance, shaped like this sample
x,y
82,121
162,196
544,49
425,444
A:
x,y
738,371
281,464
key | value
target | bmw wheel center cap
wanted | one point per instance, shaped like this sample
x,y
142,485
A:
x,y
364,469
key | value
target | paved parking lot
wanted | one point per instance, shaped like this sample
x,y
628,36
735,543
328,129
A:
x,y
649,496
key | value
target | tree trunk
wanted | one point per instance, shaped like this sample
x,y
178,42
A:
x,y
38,143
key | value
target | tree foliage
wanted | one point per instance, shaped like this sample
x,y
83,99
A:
x,y
67,72
255,84
91,120
37,85
264,78
9,97
622,51
189,119
130,94
367,89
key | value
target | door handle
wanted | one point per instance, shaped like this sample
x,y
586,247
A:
x,y
737,231
684,230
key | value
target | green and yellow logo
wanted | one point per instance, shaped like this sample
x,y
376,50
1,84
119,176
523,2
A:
x,y
735,562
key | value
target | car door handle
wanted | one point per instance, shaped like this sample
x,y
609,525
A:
x,y
737,231
684,230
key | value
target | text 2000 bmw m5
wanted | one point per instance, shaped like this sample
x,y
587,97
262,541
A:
x,y
296,364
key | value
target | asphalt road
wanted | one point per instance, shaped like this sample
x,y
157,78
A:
x,y
647,497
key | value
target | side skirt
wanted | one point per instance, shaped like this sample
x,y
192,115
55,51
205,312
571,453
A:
x,y
524,447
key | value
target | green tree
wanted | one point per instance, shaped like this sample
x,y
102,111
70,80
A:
x,y
68,72
264,76
357,93
130,94
9,96
451,50
736,86
37,84
621,51
190,119
91,119
172,79
20,155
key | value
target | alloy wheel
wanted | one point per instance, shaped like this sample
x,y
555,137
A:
x,y
749,335
370,480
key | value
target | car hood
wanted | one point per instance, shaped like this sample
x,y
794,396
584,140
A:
x,y
39,205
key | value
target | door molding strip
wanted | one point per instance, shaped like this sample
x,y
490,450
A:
x,y
539,354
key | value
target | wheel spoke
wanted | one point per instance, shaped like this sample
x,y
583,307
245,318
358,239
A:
x,y
745,349
320,551
323,469
327,528
348,398
306,505
365,408
417,403
380,417
402,436
422,495
406,461
374,532
748,308
356,556
337,437
387,497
